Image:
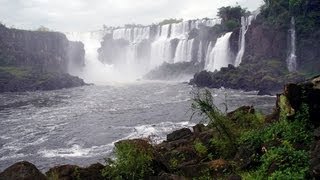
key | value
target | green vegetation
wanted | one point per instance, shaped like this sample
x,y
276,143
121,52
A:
x,y
170,21
16,71
231,17
306,13
132,162
242,142
280,149
200,148
43,29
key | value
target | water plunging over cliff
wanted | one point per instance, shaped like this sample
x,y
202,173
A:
x,y
127,53
245,23
94,70
219,55
130,52
292,58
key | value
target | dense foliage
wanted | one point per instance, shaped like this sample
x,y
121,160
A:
x,y
280,149
306,13
170,21
231,16
133,161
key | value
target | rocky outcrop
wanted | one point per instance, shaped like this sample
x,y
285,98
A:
x,y
22,171
308,53
176,71
26,79
72,172
37,60
267,78
265,43
48,51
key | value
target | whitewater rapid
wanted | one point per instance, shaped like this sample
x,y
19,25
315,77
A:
x,y
80,125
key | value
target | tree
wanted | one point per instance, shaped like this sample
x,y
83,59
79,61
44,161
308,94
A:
x,y
231,13
43,29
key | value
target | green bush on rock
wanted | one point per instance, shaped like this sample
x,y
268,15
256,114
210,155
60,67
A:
x,y
133,161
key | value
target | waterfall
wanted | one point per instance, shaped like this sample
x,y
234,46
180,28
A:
x,y
292,58
220,54
184,51
131,52
245,23
94,71
199,55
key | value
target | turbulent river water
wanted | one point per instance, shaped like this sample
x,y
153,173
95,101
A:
x,y
80,125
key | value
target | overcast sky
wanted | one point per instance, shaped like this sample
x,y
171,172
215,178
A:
x,y
86,15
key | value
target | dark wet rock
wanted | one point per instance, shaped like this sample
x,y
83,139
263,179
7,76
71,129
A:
x,y
202,79
176,71
248,77
179,134
14,79
72,172
199,128
315,155
234,177
22,171
308,93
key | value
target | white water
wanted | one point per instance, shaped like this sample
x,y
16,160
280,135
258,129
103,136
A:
x,y
184,51
95,71
219,56
130,66
245,23
292,58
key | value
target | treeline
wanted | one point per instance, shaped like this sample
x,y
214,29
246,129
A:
x,y
305,12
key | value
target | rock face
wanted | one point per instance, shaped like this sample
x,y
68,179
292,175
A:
x,y
22,171
265,43
264,77
48,51
34,60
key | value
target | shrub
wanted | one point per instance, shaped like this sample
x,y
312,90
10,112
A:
x,y
200,148
285,162
131,162
203,104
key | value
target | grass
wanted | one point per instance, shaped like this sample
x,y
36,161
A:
x,y
16,71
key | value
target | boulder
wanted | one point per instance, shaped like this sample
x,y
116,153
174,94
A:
x,y
72,172
179,134
202,79
22,171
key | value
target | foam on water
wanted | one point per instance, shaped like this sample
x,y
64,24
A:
x,y
76,151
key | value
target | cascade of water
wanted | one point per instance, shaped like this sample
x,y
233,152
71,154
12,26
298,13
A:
x,y
199,55
208,51
141,49
245,23
292,58
220,54
184,51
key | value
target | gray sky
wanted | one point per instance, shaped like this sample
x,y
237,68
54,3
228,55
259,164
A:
x,y
85,15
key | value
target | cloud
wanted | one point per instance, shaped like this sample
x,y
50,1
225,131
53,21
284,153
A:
x,y
84,15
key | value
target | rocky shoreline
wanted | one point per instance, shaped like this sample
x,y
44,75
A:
x,y
195,153
13,79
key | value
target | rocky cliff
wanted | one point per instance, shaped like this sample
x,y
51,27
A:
x,y
48,51
34,60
